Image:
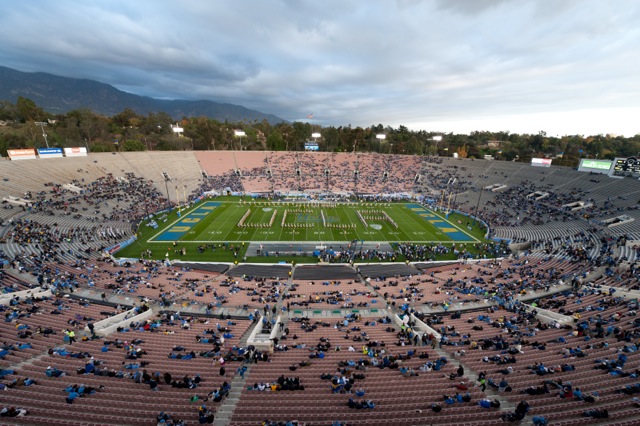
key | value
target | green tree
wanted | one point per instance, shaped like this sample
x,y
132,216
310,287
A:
x,y
201,130
28,110
132,145
156,125
8,111
275,141
330,140
126,118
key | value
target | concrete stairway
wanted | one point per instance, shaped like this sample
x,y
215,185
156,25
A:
x,y
225,411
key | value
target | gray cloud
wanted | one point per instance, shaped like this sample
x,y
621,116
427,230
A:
x,y
470,7
405,62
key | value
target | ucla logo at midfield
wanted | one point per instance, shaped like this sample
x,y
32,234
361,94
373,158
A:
x,y
314,218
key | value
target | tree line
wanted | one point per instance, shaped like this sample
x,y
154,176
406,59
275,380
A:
x,y
129,131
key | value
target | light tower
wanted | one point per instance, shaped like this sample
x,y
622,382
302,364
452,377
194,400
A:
x,y
44,134
239,134
167,179
381,137
436,139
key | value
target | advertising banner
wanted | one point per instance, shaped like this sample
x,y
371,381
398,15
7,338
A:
x,y
119,246
75,152
22,154
50,152
595,166
541,162
311,146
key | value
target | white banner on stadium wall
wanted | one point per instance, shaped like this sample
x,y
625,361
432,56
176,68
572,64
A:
x,y
22,154
541,162
50,152
75,152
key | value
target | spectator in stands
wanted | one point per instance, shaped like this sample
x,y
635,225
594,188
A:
x,y
567,391
489,403
521,411
205,416
13,412
72,395
536,390
597,413
54,372
539,421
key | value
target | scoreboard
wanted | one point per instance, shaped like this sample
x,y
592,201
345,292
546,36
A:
x,y
627,165
311,146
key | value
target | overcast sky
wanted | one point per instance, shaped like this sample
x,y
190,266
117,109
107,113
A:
x,y
562,66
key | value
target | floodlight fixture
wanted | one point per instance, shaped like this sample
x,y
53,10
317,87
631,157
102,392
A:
x,y
177,130
436,139
315,135
240,134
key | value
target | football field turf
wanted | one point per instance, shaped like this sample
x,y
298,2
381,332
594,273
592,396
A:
x,y
260,221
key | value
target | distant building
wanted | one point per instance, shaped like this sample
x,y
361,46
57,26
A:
x,y
493,144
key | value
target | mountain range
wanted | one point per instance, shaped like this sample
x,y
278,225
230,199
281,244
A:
x,y
58,95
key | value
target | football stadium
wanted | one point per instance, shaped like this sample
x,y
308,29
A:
x,y
316,288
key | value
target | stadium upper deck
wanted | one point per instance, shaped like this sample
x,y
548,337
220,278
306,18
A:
x,y
511,211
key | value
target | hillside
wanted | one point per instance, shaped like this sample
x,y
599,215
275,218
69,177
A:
x,y
58,95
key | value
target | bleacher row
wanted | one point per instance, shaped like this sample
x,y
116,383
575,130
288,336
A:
x,y
117,400
407,402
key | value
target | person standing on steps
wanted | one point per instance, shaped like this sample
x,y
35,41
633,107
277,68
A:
x,y
71,335
242,370
482,381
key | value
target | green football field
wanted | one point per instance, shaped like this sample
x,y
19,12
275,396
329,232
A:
x,y
229,220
